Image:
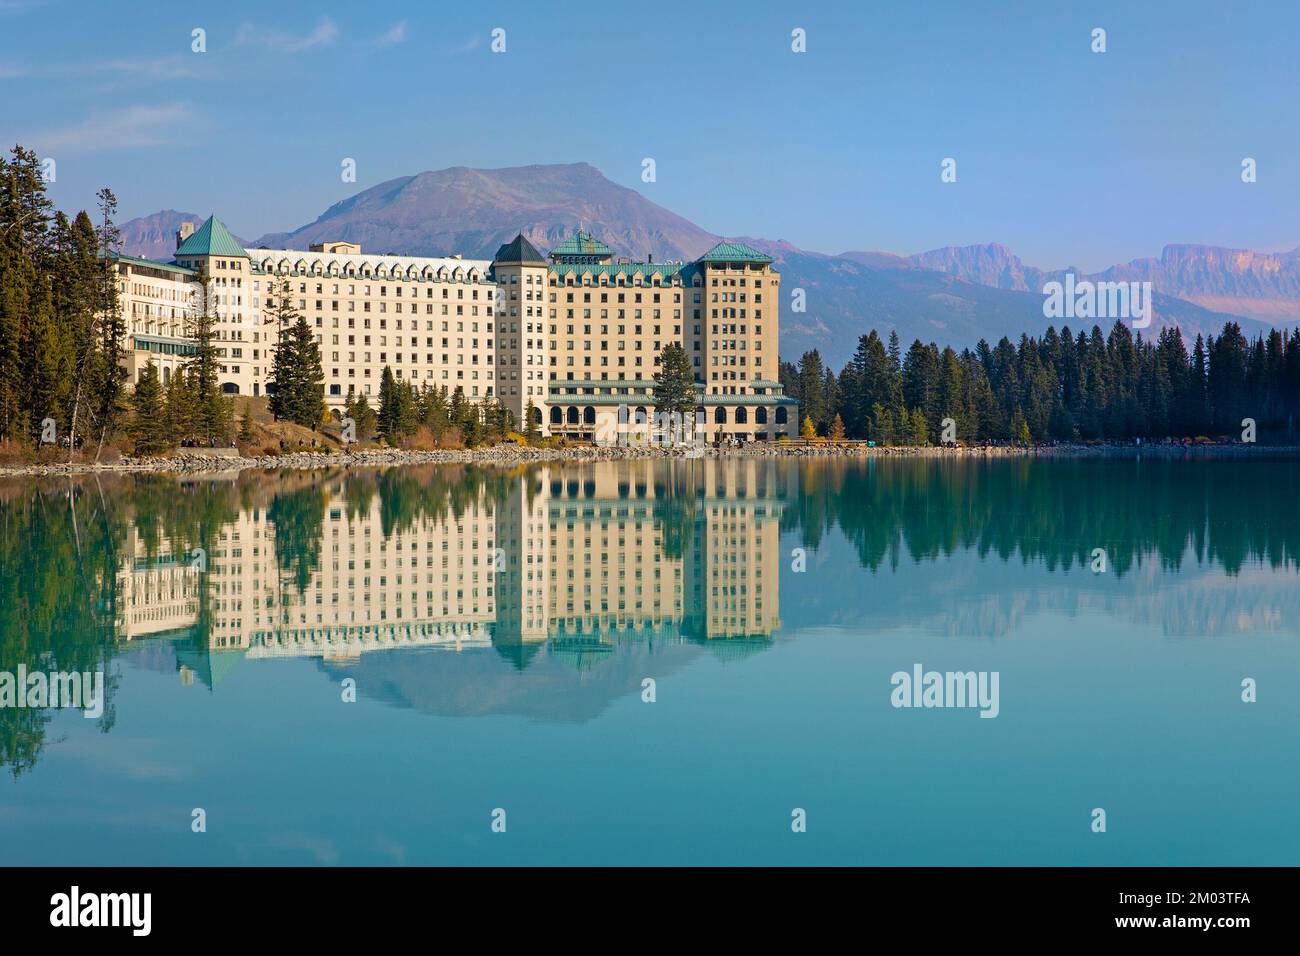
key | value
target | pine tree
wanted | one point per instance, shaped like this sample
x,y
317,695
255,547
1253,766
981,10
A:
x,y
674,389
808,430
306,398
470,425
79,280
1196,395
1020,427
921,380
389,410
180,407
837,429
408,414
367,422
297,379
456,408
54,369
920,430
1227,384
882,425
1061,426
47,377
812,389
207,408
434,413
532,433
246,433
110,375
285,362
24,257
149,427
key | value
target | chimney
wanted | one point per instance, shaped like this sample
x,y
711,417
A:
x,y
186,230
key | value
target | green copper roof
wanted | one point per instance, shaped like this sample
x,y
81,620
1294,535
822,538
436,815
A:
x,y
665,270
151,264
211,667
519,250
734,252
211,239
582,244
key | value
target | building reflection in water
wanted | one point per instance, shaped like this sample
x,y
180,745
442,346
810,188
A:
x,y
576,559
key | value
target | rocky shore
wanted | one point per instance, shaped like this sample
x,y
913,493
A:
x,y
197,462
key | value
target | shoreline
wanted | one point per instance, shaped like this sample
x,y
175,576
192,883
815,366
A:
x,y
186,464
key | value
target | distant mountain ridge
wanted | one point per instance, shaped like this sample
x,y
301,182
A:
x,y
474,211
154,237
1257,285
954,295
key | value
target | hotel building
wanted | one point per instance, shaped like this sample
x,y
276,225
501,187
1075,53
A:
x,y
577,335
156,300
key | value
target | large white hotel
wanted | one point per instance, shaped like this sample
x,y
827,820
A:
x,y
577,335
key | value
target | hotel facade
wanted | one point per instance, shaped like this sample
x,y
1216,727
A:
x,y
578,334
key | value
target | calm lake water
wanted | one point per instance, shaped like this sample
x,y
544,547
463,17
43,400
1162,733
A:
x,y
361,667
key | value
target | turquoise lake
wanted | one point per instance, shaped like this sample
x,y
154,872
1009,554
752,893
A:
x,y
366,666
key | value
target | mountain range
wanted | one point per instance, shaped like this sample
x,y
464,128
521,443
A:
x,y
954,295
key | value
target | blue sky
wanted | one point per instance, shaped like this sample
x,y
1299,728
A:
x,y
1067,156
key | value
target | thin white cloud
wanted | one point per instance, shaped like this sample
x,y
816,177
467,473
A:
x,y
396,34
159,68
325,33
19,6
156,69
127,128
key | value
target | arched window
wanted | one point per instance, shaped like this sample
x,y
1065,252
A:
x,y
742,416
589,416
573,414
720,415
782,416
760,415
557,415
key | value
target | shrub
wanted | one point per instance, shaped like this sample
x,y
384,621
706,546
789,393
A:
x,y
422,440
15,453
